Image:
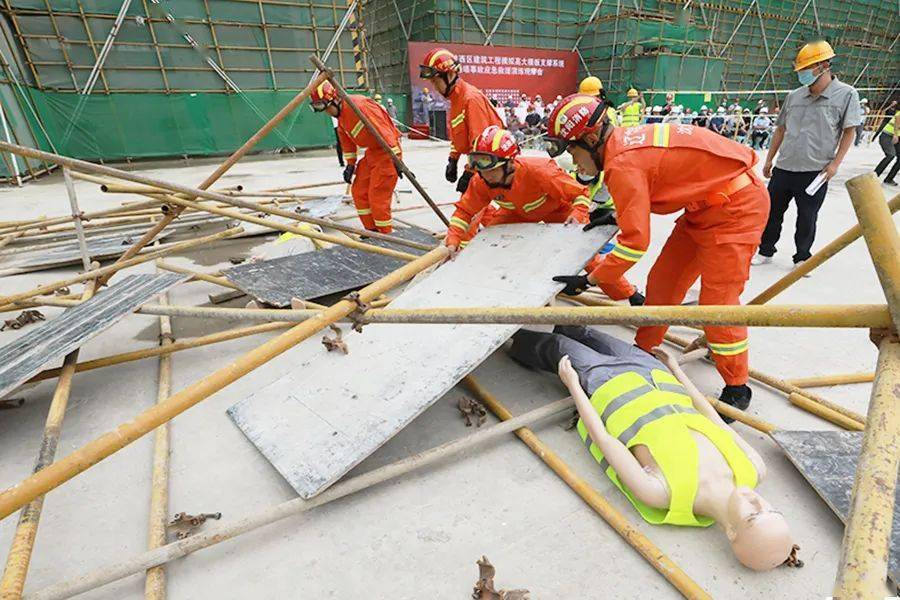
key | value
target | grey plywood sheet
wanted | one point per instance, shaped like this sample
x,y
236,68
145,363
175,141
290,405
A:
x,y
26,355
827,460
320,420
66,254
320,273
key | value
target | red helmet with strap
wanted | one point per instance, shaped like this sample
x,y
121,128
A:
x,y
437,61
323,95
495,146
572,119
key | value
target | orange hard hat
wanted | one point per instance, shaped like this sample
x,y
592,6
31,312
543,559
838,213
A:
x,y
812,53
437,61
492,148
322,95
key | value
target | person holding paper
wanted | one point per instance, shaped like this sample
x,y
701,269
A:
x,y
814,131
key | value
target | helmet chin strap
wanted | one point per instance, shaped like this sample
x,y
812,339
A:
x,y
507,171
446,78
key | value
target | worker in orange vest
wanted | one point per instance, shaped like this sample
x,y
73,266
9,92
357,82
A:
x,y
661,169
525,189
470,110
376,174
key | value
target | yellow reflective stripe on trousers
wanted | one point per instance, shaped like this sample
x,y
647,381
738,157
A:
x,y
459,223
535,204
349,155
388,223
364,211
582,200
458,119
661,135
729,349
626,253
356,129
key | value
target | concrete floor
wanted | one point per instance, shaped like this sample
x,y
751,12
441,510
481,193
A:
x,y
421,535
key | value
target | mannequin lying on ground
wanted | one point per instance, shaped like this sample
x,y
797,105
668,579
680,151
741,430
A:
x,y
660,441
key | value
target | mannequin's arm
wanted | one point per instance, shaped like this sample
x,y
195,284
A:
x,y
706,409
644,486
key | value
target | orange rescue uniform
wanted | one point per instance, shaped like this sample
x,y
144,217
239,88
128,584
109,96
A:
x,y
664,168
470,114
375,175
540,191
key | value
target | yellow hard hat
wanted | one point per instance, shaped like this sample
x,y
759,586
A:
x,y
590,85
632,93
812,53
377,96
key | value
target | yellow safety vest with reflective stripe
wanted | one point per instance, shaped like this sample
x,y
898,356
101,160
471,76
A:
x,y
631,115
889,128
595,191
660,415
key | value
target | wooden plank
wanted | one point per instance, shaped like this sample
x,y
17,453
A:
x,y
320,420
827,460
29,353
315,274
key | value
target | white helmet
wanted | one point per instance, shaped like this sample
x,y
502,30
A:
x,y
657,109
864,101
721,110
704,107
764,110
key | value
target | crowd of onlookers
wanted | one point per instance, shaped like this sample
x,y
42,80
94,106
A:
x,y
527,118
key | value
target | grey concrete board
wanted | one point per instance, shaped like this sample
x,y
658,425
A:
x,y
25,356
827,460
315,274
334,410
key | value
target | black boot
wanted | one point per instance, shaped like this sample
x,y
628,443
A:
x,y
737,396
636,299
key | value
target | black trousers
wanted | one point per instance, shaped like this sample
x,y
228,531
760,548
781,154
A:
x,y
891,152
784,187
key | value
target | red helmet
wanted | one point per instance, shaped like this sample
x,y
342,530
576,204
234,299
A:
x,y
573,118
323,95
437,61
492,148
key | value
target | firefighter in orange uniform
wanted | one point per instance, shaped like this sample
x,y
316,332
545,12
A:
x,y
664,168
376,175
470,110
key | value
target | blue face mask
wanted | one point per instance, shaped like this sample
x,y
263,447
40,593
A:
x,y
807,77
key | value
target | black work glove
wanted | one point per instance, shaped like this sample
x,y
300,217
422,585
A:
x,y
600,216
463,184
575,284
348,173
451,172
636,299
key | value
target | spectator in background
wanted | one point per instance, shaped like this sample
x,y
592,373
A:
x,y
717,122
760,132
890,145
539,104
391,109
688,117
532,121
522,108
499,110
760,104
860,131
655,115
510,103
515,126
813,133
669,105
674,115
735,105
702,119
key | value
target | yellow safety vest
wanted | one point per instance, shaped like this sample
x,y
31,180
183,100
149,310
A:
x,y
631,115
889,128
613,115
660,415
594,191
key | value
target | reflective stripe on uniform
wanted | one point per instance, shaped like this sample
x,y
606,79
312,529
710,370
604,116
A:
x,y
729,349
534,204
459,223
583,200
458,119
661,135
388,223
356,129
463,244
506,205
349,155
626,253
364,211
395,149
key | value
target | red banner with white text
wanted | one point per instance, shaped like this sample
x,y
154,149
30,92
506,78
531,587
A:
x,y
503,73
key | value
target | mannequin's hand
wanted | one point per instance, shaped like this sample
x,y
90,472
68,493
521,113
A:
x,y
567,373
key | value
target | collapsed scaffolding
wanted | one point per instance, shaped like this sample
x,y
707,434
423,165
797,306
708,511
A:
x,y
863,565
